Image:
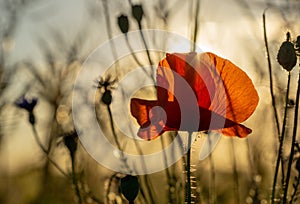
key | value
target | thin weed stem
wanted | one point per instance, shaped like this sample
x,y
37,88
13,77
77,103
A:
x,y
38,141
292,151
235,173
122,154
137,60
212,197
270,76
273,104
45,151
146,47
74,179
139,149
116,139
295,189
196,26
279,156
109,32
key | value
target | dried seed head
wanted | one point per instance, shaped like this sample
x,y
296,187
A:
x,y
123,23
286,55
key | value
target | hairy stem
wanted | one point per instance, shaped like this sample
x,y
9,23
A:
x,y
188,170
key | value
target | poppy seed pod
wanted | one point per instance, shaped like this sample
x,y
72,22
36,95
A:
x,y
286,56
106,97
137,12
123,23
130,187
71,143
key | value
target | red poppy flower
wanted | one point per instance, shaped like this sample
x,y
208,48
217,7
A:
x,y
215,94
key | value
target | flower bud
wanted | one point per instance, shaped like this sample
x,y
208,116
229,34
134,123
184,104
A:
x,y
286,56
70,141
137,12
106,97
123,23
130,187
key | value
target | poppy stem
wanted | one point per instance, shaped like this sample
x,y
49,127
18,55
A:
x,y
212,195
188,170
279,156
235,172
292,151
165,160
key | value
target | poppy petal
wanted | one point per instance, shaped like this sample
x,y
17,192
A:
x,y
185,65
236,90
237,130
225,95
153,118
140,110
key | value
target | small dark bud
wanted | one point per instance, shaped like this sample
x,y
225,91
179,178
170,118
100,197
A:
x,y
70,141
137,12
130,187
123,23
286,55
106,97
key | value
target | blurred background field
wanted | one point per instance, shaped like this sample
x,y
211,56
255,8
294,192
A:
x,y
44,44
